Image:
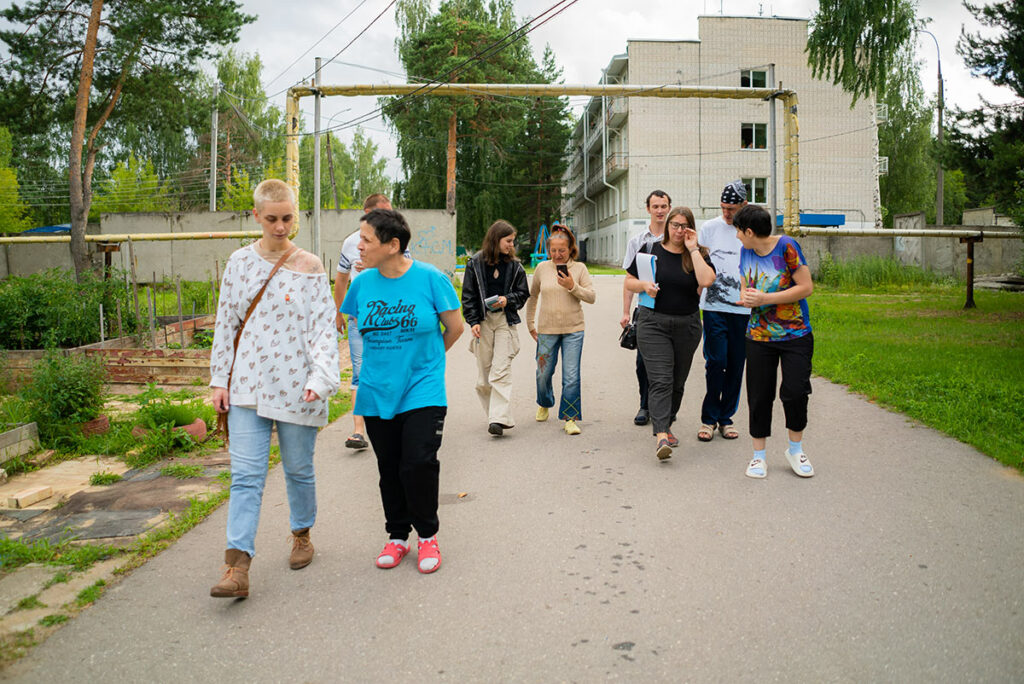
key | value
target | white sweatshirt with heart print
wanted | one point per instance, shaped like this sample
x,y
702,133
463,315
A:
x,y
289,344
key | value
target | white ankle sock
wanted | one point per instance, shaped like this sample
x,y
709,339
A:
x,y
428,563
401,542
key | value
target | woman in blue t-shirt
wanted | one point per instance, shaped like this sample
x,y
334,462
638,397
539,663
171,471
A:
x,y
668,326
408,314
775,283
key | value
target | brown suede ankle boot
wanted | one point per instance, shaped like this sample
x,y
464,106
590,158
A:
x,y
302,549
235,582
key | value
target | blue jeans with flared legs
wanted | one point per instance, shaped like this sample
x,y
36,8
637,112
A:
x,y
571,345
250,452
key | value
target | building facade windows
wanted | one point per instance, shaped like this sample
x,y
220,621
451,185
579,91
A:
x,y
752,78
753,136
757,190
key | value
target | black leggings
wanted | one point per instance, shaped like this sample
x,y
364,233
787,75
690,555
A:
x,y
763,359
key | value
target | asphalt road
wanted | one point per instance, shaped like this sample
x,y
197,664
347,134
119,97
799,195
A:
x,y
584,558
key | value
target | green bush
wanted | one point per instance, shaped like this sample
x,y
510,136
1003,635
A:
x,y
66,389
52,309
158,410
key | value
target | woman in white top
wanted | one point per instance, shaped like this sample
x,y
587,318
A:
x,y
283,370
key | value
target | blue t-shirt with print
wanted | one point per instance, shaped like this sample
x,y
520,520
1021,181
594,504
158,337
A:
x,y
403,348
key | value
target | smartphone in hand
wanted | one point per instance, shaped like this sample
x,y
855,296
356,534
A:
x,y
562,268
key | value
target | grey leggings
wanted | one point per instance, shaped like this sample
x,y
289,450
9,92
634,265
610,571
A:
x,y
667,344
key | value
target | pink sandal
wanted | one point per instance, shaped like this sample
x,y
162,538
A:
x,y
393,551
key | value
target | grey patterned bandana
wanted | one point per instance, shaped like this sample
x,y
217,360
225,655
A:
x,y
734,193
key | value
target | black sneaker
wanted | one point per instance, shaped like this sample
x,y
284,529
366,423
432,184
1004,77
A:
x,y
642,417
495,429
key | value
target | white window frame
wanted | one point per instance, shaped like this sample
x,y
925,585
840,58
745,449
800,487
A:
x,y
749,75
758,133
757,189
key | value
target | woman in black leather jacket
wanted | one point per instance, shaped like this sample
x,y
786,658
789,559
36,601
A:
x,y
493,291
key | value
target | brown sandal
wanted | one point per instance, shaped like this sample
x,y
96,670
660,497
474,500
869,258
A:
x,y
706,433
728,432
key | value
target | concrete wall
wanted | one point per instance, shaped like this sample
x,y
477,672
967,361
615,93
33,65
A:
x,y
992,256
433,241
21,260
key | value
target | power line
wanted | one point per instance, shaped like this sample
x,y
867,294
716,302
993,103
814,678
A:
x,y
505,41
347,45
322,38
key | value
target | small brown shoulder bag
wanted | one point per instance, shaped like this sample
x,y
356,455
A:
x,y
222,418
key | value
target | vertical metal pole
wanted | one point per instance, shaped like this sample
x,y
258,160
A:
x,y
772,149
181,319
135,284
152,323
291,149
940,189
213,148
316,164
969,304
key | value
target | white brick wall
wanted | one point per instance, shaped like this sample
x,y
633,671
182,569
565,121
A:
x,y
690,148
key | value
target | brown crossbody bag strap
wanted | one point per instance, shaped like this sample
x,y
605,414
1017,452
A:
x,y
222,418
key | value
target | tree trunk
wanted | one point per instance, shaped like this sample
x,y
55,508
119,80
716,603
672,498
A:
x,y
80,185
450,185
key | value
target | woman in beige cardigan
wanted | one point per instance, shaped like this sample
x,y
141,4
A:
x,y
560,284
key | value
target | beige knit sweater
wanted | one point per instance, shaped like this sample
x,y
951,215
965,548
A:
x,y
560,309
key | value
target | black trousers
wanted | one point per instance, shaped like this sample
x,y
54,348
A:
x,y
406,447
763,361
667,343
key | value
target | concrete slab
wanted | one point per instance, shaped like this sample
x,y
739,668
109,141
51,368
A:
x,y
21,583
95,525
65,478
22,514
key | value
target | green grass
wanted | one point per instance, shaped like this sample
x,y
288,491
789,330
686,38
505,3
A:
x,y
15,553
920,353
104,478
90,594
60,578
51,620
14,646
182,471
30,602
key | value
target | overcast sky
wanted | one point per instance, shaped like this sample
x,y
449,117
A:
x,y
584,37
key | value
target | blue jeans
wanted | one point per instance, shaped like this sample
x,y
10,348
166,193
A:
x,y
355,350
571,344
725,351
250,452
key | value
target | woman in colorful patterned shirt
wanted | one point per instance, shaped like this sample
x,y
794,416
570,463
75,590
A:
x,y
775,283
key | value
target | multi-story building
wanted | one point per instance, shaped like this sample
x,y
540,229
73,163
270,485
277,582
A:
x,y
623,148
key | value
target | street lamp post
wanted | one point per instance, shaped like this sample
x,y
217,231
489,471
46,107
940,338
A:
x,y
939,190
